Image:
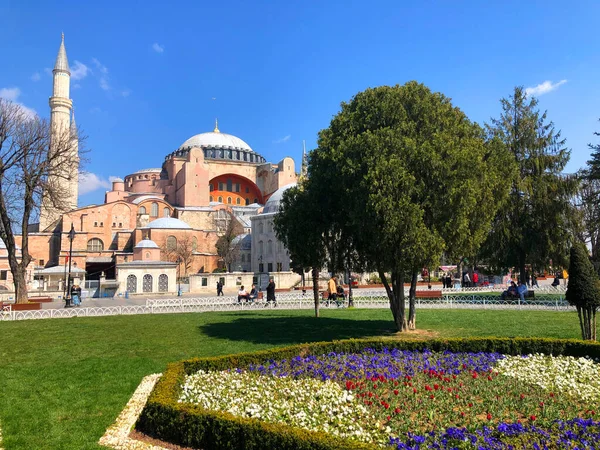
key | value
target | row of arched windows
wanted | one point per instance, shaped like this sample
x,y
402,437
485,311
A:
x,y
154,210
238,201
261,247
163,283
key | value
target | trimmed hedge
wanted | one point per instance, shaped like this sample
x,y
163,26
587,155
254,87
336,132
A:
x,y
192,426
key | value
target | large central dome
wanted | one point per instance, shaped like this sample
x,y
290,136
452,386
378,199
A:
x,y
216,139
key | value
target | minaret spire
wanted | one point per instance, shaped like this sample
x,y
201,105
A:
x,y
304,168
216,130
62,63
60,123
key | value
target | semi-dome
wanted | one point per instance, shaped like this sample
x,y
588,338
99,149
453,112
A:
x,y
168,222
272,205
146,243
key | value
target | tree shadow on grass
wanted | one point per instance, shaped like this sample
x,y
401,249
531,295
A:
x,y
278,330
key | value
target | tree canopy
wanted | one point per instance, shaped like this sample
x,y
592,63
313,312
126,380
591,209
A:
x,y
409,173
536,225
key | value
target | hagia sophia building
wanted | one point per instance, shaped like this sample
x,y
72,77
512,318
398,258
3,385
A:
x,y
209,179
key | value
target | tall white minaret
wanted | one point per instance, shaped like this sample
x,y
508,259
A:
x,y
60,124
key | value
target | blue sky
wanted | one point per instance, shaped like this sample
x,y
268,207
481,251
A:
x,y
151,74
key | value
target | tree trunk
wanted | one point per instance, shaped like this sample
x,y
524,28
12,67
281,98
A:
x,y
350,295
412,295
580,314
395,294
585,334
315,280
522,268
593,324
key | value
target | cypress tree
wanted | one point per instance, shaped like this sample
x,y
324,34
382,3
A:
x,y
584,290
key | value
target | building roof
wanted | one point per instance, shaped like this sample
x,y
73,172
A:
x,y
151,170
245,241
62,64
146,243
58,269
139,200
117,179
272,205
147,263
168,223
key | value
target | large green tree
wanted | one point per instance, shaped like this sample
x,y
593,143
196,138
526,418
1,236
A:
x,y
413,178
584,290
588,201
536,225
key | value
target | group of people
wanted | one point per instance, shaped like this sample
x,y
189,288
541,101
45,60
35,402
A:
x,y
515,290
335,292
75,295
252,296
467,280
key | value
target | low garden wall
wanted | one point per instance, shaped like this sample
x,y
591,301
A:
x,y
165,418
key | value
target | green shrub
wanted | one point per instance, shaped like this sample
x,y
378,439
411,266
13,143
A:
x,y
192,426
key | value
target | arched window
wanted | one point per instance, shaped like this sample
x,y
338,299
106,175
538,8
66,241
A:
x,y
243,257
163,283
261,248
142,210
261,228
247,201
255,200
132,284
238,201
171,243
270,247
211,198
147,255
95,245
220,199
229,200
194,244
154,210
229,185
166,212
147,283
210,187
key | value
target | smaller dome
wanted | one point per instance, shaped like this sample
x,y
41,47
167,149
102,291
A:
x,y
168,222
272,205
146,243
117,180
152,170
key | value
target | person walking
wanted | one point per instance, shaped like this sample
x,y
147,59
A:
x,y
332,290
271,293
219,288
76,295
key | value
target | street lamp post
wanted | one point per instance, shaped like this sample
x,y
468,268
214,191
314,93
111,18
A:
x,y
68,294
179,277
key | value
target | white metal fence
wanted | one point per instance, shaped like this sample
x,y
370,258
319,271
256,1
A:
x,y
290,301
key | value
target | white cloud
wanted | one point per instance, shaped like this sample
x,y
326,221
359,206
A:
x,y
103,70
283,139
126,92
114,178
89,182
76,86
543,88
104,84
12,95
79,71
36,77
158,48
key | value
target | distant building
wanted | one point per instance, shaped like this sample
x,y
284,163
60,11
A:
x,y
186,202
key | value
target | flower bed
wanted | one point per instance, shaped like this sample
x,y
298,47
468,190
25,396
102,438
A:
x,y
383,397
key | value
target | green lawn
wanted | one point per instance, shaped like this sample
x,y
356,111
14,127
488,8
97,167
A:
x,y
64,381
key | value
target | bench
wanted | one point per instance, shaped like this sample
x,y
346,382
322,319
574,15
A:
x,y
325,294
428,294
